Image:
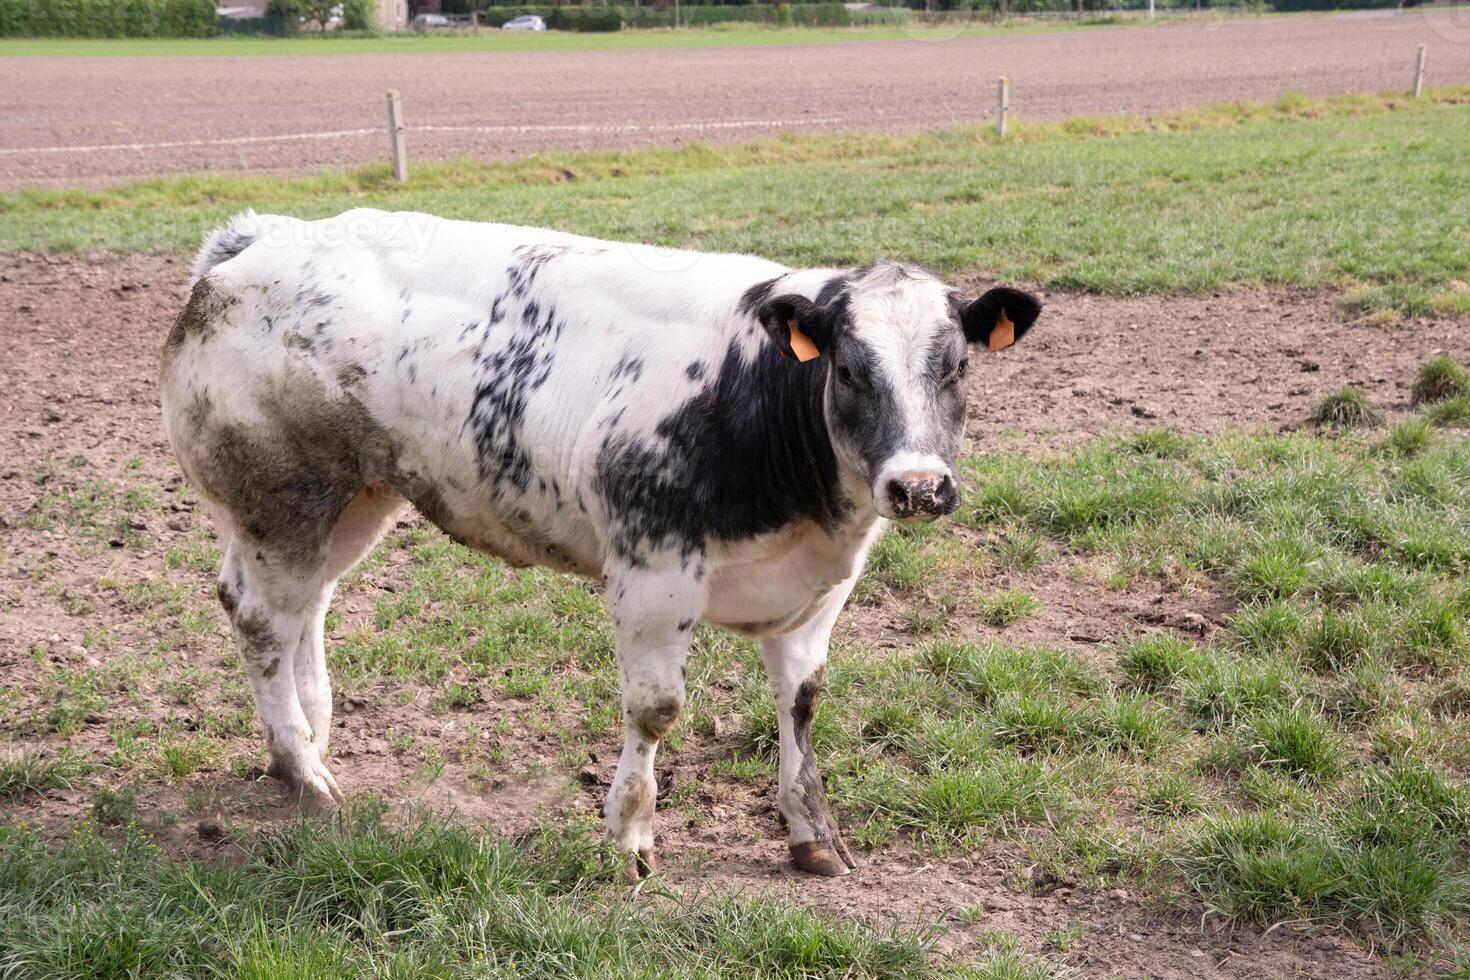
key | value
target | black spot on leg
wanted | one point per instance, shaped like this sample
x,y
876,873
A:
x,y
695,370
270,670
685,624
813,799
804,707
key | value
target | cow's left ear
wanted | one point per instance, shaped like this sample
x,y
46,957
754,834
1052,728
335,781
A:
x,y
1000,317
800,328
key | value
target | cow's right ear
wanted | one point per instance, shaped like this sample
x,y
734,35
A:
x,y
799,328
999,318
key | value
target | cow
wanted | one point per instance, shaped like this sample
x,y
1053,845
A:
x,y
713,438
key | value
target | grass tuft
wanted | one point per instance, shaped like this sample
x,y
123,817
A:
x,y
1346,408
24,771
1440,379
1451,412
1004,608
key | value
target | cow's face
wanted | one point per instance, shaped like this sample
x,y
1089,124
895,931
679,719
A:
x,y
896,344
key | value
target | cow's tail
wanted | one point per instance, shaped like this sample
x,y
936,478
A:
x,y
229,240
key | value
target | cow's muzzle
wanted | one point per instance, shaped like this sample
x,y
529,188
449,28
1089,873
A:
x,y
919,494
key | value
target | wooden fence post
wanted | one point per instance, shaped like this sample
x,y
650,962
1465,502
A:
x,y
395,133
1419,72
1002,107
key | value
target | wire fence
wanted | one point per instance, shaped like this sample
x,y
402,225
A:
x,y
398,133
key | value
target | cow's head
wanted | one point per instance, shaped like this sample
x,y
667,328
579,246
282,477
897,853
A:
x,y
896,342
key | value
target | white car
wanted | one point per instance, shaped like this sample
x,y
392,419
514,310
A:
x,y
528,22
424,22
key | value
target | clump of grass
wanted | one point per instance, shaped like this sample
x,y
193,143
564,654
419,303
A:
x,y
1296,740
1267,868
1004,608
24,771
989,671
1440,379
1224,690
114,808
1154,662
1159,443
1450,412
1171,795
1408,439
1018,549
1346,408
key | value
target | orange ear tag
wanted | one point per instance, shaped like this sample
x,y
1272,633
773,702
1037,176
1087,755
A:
x,y
1004,334
801,344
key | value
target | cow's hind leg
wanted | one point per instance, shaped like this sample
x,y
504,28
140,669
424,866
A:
x,y
795,664
654,613
360,527
270,602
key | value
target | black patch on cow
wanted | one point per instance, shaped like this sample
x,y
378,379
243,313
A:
x,y
756,297
694,371
512,369
627,367
746,455
529,261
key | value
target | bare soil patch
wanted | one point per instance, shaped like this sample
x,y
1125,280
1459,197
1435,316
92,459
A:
x,y
78,403
562,100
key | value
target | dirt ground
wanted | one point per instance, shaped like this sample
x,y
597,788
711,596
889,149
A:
x,y
532,101
78,388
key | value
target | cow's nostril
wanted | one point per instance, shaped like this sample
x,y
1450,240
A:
x,y
898,497
948,496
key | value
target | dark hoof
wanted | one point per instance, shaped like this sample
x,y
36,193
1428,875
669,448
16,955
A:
x,y
826,858
640,865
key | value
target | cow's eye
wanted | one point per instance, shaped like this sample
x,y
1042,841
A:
x,y
844,377
958,371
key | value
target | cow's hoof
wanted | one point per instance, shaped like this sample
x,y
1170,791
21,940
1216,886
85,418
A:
x,y
641,864
312,783
826,858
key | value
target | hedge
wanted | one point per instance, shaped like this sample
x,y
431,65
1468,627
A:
x,y
108,18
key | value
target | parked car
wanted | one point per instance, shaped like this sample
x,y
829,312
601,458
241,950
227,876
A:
x,y
424,22
528,22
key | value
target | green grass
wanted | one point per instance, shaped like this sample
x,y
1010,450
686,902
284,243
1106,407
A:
x,y
493,41
357,896
1295,193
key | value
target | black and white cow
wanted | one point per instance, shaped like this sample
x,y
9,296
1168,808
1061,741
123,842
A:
x,y
716,438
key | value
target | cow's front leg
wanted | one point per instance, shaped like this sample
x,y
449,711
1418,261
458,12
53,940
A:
x,y
654,613
795,664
